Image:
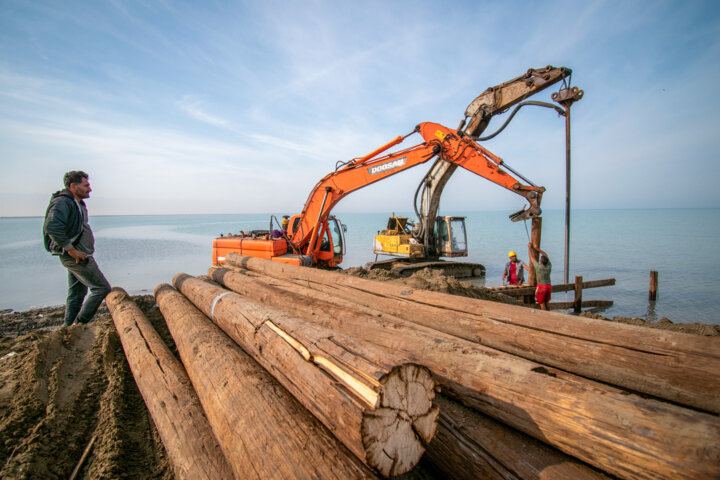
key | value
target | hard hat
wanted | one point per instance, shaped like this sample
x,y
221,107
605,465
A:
x,y
511,254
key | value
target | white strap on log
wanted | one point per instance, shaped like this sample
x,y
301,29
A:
x,y
214,302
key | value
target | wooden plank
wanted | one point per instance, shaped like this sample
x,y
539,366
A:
x,y
517,291
380,409
174,406
585,304
264,432
678,367
541,401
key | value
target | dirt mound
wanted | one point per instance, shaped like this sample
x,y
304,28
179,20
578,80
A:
x,y
663,324
60,388
435,280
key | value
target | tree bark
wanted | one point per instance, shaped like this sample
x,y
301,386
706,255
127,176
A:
x,y
469,446
535,236
192,448
674,366
381,410
264,432
578,416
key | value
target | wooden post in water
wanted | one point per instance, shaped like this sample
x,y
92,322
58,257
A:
x,y
653,285
577,303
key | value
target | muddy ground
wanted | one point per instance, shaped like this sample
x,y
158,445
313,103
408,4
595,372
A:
x,y
61,388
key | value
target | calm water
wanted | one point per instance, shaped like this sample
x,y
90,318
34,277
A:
x,y
139,252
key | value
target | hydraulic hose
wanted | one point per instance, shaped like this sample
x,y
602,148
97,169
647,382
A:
x,y
518,107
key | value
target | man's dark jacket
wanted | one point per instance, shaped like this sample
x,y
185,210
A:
x,y
63,222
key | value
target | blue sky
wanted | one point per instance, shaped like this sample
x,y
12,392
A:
x,y
239,107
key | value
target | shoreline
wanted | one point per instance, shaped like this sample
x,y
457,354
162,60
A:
x,y
16,323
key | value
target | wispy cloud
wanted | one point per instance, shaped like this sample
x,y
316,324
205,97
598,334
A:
x,y
193,107
217,106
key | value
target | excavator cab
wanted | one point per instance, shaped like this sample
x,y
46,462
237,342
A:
x,y
332,246
451,237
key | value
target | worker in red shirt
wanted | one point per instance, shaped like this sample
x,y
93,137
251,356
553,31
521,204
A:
x,y
514,274
543,269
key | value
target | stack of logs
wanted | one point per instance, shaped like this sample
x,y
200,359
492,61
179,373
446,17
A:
x,y
324,375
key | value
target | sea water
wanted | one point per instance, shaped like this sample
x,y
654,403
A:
x,y
140,252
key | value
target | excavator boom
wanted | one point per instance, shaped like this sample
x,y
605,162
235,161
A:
x,y
491,102
439,141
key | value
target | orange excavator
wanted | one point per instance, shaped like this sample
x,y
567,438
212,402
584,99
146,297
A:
x,y
315,238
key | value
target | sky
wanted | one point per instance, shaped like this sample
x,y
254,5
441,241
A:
x,y
241,107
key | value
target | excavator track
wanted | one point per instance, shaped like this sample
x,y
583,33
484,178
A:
x,y
407,267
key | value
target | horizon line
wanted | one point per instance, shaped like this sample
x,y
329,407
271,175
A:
x,y
366,212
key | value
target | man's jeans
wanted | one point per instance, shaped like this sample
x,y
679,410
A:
x,y
82,276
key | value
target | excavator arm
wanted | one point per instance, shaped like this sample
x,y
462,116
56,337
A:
x,y
493,101
499,98
450,146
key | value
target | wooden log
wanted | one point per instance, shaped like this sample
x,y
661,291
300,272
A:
x,y
264,432
428,347
576,415
561,287
471,446
535,237
678,367
381,410
192,449
653,286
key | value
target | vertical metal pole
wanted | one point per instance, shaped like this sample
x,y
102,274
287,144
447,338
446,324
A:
x,y
566,97
567,193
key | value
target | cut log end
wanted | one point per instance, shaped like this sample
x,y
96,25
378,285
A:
x,y
396,433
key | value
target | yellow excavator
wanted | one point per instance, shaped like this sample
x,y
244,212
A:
x,y
420,244
398,239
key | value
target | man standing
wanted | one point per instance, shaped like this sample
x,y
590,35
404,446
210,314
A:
x,y
66,233
514,270
543,268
